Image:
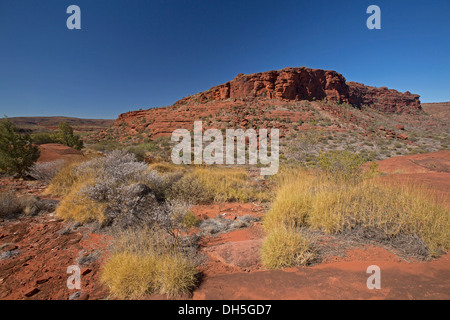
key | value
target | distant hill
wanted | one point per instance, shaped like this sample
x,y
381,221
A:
x,y
39,124
437,109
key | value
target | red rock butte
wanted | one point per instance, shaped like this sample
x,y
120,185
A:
x,y
308,84
230,103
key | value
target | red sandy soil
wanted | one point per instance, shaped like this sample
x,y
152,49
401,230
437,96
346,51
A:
x,y
227,210
56,151
339,280
430,170
46,246
44,252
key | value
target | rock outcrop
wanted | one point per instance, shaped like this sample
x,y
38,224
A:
x,y
383,99
307,84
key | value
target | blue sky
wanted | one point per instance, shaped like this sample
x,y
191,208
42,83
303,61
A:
x,y
133,54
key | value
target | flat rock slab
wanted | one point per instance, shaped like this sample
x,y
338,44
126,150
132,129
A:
x,y
241,254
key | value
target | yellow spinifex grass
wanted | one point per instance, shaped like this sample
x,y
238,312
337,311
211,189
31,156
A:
x,y
130,275
69,183
78,207
148,261
66,179
228,184
311,200
285,247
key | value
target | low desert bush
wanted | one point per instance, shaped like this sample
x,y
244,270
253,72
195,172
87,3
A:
x,y
117,190
12,206
45,171
189,188
286,248
17,152
43,138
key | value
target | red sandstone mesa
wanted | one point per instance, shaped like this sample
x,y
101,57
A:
x,y
231,103
308,84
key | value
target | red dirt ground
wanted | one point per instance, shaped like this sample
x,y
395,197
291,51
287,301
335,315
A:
x,y
56,151
431,170
45,246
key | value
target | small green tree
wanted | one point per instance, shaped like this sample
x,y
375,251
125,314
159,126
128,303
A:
x,y
17,153
341,165
65,136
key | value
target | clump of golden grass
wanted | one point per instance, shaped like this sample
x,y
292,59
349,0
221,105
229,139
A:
x,y
75,205
164,167
78,207
228,184
129,275
190,220
285,247
148,261
64,181
320,203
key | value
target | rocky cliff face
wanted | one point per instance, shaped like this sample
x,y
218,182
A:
x,y
307,84
383,99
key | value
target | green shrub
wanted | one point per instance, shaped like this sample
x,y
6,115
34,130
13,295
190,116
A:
x,y
17,153
43,138
341,165
65,136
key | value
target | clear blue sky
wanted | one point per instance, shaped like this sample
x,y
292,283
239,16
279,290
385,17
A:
x,y
133,54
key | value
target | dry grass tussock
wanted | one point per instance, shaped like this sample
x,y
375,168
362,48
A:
x,y
375,210
148,261
207,184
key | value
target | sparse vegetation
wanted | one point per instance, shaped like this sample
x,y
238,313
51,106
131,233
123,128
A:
x,y
12,206
63,135
66,136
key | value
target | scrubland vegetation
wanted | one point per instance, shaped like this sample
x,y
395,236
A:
x,y
340,198
147,208
63,135
12,206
